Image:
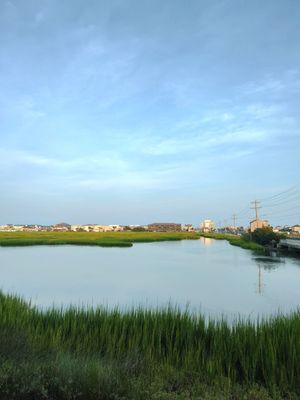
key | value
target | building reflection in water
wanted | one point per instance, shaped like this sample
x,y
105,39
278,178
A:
x,y
206,241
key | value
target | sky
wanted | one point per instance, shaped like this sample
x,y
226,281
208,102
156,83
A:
x,y
140,111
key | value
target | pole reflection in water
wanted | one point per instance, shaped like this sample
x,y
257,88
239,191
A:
x,y
260,285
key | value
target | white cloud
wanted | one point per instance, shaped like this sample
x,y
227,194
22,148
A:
x,y
217,116
260,110
201,142
14,157
270,85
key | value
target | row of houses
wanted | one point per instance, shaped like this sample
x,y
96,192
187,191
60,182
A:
x,y
205,226
61,227
25,228
64,227
96,228
288,230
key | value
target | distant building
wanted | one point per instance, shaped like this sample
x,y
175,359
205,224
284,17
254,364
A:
x,y
207,226
89,228
11,228
30,228
135,228
258,224
296,229
187,228
164,227
7,228
96,228
233,230
61,227
116,228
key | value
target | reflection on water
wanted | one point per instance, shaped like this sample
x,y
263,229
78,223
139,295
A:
x,y
210,275
206,241
260,284
267,264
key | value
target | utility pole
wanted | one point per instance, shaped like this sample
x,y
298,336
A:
x,y
256,208
234,217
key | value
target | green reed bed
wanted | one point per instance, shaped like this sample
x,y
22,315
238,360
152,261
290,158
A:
x,y
235,241
164,353
105,239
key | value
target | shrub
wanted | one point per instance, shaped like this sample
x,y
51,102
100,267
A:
x,y
264,236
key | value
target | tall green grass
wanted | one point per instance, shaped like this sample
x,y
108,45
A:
x,y
105,239
124,352
235,241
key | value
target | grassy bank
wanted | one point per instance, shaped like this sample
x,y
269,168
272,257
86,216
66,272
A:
x,y
236,241
105,239
162,354
114,239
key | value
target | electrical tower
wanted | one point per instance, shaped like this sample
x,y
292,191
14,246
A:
x,y
256,208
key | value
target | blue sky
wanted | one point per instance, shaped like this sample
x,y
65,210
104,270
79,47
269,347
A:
x,y
142,111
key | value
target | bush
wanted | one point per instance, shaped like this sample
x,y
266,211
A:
x,y
264,236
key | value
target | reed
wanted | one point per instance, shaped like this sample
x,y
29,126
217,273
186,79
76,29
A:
x,y
124,351
235,240
105,239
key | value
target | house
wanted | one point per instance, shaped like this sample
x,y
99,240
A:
x,y
116,228
30,228
96,228
258,224
207,226
296,229
164,227
61,227
187,228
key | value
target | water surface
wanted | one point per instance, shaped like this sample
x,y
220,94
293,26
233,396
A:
x,y
206,274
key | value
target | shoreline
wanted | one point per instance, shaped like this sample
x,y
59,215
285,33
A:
x,y
236,241
115,239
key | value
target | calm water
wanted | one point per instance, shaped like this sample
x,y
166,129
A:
x,y
205,274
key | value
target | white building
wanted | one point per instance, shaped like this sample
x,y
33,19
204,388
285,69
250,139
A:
x,y
96,228
207,226
187,228
11,228
116,228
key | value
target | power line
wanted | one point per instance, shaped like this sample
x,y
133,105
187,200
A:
x,y
290,198
283,215
278,195
280,202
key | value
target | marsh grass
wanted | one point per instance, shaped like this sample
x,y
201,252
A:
x,y
105,239
99,352
114,239
235,240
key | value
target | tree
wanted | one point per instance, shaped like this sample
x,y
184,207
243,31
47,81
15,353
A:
x,y
264,236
